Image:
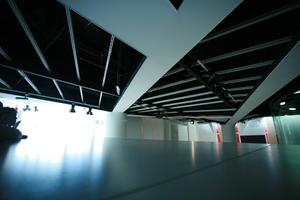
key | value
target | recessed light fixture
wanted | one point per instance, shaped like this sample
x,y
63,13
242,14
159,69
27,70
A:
x,y
292,108
297,92
282,103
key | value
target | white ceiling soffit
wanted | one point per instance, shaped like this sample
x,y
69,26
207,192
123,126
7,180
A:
x,y
155,29
287,70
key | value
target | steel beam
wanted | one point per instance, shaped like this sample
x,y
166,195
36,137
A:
x,y
246,50
27,30
175,92
5,83
210,110
171,84
40,96
197,104
58,80
184,97
253,21
5,55
190,101
58,88
240,88
81,94
29,81
207,85
239,80
245,67
106,66
71,32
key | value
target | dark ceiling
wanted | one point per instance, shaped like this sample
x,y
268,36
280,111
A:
x,y
52,53
214,78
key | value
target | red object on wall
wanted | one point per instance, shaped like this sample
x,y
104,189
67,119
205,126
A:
x,y
218,135
238,139
267,134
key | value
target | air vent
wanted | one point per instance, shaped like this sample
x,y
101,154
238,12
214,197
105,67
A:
x,y
176,3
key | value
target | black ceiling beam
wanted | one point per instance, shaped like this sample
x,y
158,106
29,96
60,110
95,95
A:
x,y
72,38
58,88
40,96
246,50
245,67
111,44
25,77
58,80
28,32
171,84
5,55
3,82
174,92
218,90
252,22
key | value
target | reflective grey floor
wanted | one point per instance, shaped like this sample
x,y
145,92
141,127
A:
x,y
135,169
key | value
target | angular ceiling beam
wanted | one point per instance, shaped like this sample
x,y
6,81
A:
x,y
58,88
287,70
81,94
171,84
207,85
183,97
246,50
172,93
5,55
245,67
253,21
27,30
191,101
106,66
29,81
58,80
72,38
239,80
198,104
47,97
5,83
210,110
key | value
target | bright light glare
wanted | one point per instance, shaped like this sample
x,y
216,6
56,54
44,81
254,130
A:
x,y
292,108
297,92
282,103
53,132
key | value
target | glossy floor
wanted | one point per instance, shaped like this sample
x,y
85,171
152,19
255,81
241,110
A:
x,y
136,169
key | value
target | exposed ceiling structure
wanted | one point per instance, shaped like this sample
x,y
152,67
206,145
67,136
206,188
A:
x,y
50,52
188,60
214,79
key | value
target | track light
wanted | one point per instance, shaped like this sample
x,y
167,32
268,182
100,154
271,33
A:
x,y
118,89
90,111
282,103
27,108
72,108
36,109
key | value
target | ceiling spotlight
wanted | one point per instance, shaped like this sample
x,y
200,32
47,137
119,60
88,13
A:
x,y
118,89
192,122
72,108
90,111
27,108
292,108
282,103
297,92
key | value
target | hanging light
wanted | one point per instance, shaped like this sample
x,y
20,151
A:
x,y
36,109
72,108
90,111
